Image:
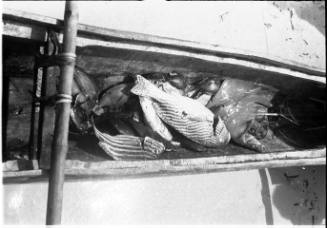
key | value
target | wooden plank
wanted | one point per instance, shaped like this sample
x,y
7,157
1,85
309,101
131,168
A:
x,y
198,162
196,169
111,34
244,161
72,174
23,30
19,165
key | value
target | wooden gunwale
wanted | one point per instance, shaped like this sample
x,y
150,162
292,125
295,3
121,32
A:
x,y
117,169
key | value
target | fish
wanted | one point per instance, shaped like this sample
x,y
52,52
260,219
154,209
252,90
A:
x,y
153,120
115,79
175,79
187,116
208,86
250,141
239,103
113,98
236,89
186,143
84,93
127,147
122,127
204,99
79,116
83,83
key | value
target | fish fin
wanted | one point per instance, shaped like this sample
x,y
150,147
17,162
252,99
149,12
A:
x,y
144,87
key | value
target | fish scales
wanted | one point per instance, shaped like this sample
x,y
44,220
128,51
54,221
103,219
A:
x,y
124,147
118,155
198,131
187,116
126,152
123,152
153,120
120,141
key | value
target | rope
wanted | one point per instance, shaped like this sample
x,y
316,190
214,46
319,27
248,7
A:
x,y
66,58
63,98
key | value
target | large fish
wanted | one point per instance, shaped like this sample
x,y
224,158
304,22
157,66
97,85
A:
x,y
153,120
84,92
127,147
239,103
187,116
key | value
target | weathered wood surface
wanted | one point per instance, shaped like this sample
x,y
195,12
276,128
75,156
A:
x,y
208,161
286,158
106,56
31,26
19,165
18,71
132,169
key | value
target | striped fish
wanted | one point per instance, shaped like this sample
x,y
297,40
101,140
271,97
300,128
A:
x,y
153,120
127,147
187,116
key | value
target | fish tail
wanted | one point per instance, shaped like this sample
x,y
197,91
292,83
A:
x,y
143,87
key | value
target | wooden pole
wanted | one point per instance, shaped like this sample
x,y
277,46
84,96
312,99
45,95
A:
x,y
32,138
60,141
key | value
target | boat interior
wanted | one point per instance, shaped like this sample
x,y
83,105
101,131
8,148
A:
x,y
103,57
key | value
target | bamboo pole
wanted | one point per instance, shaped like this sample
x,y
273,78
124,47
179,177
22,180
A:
x,y
60,141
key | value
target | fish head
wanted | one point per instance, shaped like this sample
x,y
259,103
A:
x,y
83,83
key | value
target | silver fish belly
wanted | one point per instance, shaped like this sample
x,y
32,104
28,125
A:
x,y
153,120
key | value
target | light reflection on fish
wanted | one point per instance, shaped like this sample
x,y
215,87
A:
x,y
236,89
239,102
187,116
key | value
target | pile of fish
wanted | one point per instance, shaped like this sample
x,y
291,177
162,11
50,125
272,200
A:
x,y
158,112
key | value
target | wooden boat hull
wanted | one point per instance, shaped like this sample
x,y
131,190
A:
x,y
103,52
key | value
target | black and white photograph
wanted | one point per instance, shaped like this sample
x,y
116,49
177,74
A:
x,y
163,113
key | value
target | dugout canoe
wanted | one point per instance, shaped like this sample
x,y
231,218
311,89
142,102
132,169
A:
x,y
102,52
